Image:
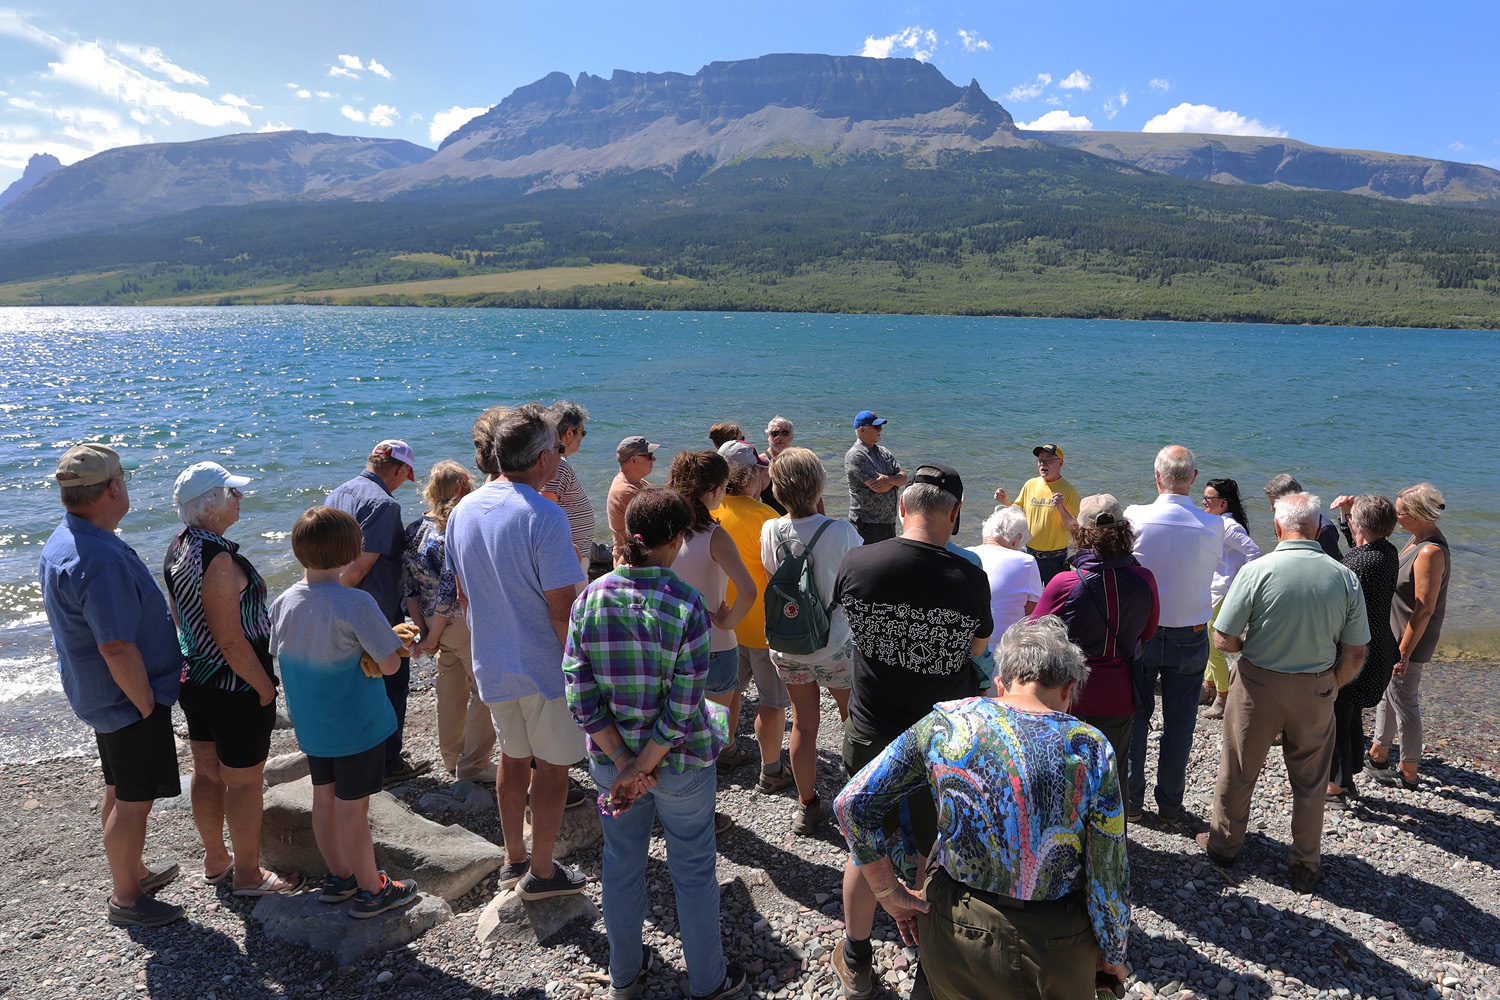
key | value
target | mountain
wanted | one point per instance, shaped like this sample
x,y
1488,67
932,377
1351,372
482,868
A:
x,y
139,182
39,166
1287,163
564,132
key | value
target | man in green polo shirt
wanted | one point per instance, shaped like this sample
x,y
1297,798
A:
x,y
1293,606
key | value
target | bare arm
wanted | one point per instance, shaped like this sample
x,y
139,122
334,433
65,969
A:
x,y
1427,580
1030,607
559,607
1348,666
129,672
1229,643
722,548
357,570
223,583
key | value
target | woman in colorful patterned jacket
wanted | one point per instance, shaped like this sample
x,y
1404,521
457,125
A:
x,y
1029,891
228,684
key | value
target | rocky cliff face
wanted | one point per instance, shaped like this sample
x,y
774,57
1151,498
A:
x,y
562,131
39,166
138,182
1270,162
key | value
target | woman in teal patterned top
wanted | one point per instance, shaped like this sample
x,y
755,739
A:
x,y
1031,832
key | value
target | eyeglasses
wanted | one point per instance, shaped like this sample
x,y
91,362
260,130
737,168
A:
x,y
562,449
1047,461
236,493
779,434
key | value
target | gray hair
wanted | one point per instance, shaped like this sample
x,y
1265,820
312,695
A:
x,y
1280,486
1175,465
567,416
521,436
1038,651
778,421
74,497
797,480
195,513
1373,514
925,498
1299,512
1008,525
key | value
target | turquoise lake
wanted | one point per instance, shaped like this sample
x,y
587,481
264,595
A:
x,y
295,397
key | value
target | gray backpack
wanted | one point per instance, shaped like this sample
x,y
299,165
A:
x,y
796,618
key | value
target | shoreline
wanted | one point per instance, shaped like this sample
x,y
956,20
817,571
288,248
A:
x,y
1409,906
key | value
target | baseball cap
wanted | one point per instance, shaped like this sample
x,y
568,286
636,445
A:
x,y
91,464
1054,449
867,418
742,454
944,477
634,445
1100,510
199,478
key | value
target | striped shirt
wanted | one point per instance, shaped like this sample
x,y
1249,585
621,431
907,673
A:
x,y
637,656
203,663
575,503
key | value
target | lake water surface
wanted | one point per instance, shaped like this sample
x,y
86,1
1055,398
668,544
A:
x,y
295,397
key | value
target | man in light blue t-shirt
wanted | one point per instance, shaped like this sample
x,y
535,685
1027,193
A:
x,y
512,553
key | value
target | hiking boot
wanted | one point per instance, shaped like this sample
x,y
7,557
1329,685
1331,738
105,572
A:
x,y
1216,710
563,881
512,872
406,769
336,890
1305,877
148,911
636,986
733,758
1222,860
1207,694
770,784
393,894
734,981
809,817
858,981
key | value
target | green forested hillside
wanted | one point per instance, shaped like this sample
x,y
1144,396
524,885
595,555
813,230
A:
x,y
1036,231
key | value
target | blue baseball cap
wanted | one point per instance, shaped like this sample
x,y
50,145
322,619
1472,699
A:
x,y
867,418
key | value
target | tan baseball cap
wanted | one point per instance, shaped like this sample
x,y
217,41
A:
x,y
91,464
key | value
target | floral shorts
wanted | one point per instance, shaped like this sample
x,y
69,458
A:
x,y
834,670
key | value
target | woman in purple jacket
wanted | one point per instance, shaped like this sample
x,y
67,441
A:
x,y
1109,603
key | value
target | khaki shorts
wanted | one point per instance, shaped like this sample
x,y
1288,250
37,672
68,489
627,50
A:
x,y
835,670
534,726
756,663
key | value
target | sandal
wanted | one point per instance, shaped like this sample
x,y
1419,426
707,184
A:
x,y
723,823
222,877
274,885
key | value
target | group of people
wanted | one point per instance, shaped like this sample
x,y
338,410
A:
x,y
989,828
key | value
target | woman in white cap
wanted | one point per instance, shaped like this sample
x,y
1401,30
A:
x,y
228,685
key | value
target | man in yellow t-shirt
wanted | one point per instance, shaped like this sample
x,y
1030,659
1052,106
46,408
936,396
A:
x,y
1050,504
741,515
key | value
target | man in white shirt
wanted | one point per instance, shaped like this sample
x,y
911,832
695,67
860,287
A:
x,y
1181,546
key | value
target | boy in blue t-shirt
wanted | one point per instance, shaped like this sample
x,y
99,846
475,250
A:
x,y
319,631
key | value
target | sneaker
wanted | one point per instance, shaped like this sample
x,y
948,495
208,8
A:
x,y
807,818
148,911
1391,777
858,981
336,890
160,874
770,784
1222,860
513,872
392,895
733,758
1376,765
1305,877
406,770
564,881
1135,814
636,986
576,795
734,981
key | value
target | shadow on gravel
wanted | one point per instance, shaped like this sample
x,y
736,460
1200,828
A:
x,y
1461,836
238,974
1320,955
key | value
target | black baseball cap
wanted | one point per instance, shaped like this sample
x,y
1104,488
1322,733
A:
x,y
944,477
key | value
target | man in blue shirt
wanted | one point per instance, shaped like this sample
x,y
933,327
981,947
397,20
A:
x,y
120,664
377,571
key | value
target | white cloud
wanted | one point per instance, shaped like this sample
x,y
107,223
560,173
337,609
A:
x,y
446,122
378,70
341,71
1457,147
294,86
352,113
383,115
325,94
89,66
275,127
1076,80
139,117
1058,121
304,93
1208,119
1113,105
151,57
917,43
972,42
1030,91
351,62
235,101
1159,85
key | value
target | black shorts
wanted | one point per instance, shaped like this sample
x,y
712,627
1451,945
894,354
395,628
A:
x,y
140,761
235,722
859,750
353,777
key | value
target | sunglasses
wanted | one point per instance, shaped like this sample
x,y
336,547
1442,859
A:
x,y
779,434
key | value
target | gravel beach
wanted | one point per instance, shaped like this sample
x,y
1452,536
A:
x,y
1409,905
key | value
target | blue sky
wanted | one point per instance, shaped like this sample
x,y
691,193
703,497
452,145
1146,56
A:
x,y
81,76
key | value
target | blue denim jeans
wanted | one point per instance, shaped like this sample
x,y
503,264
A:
x,y
723,675
1177,657
685,804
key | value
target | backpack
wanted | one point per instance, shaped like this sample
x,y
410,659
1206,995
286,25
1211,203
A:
x,y
796,618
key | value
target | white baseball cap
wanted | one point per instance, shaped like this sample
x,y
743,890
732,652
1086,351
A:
x,y
201,477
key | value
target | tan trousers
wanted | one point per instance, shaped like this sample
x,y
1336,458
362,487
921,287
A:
x,y
466,735
1261,704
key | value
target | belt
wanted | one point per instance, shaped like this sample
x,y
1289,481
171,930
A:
x,y
1183,628
1047,553
1288,673
1010,902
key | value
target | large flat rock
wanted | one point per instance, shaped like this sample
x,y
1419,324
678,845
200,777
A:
x,y
446,861
510,918
302,920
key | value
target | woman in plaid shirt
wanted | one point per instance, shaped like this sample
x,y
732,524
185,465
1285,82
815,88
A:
x,y
636,659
